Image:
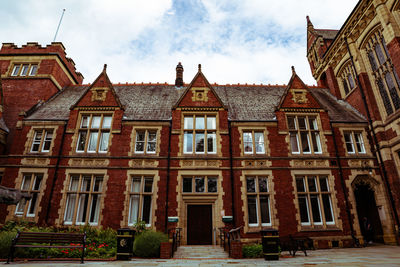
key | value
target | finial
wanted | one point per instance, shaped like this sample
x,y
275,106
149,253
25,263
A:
x,y
199,67
293,71
309,23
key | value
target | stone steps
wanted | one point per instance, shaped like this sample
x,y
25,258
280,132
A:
x,y
200,252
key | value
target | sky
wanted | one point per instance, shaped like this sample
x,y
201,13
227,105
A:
x,y
235,41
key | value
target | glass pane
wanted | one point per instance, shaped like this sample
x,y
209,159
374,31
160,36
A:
x,y
379,53
188,123
16,70
252,209
263,184
302,123
247,137
385,97
105,136
38,182
188,142
316,212
316,142
107,122
251,184
146,209
47,141
24,70
259,140
73,186
264,205
305,142
372,61
211,143
345,86
82,208
81,141
303,209
70,207
199,142
148,184
20,206
93,141
140,135
133,209
211,123
152,136
351,81
95,122
212,185
248,142
313,123
33,70
86,182
135,187
323,184
199,122
291,123
98,182
26,184
94,209
294,143
248,147
300,184
85,122
359,143
326,200
312,186
392,90
187,185
151,147
199,184
349,143
139,147
32,204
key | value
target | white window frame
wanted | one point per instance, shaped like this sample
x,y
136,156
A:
x,y
88,130
254,143
296,131
356,137
194,131
146,141
31,69
258,194
31,190
43,140
206,178
141,194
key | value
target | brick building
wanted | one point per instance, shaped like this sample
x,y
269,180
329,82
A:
x,y
309,161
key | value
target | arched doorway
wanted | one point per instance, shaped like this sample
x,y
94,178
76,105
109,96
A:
x,y
366,206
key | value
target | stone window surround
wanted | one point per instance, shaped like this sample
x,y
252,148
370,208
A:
x,y
30,64
146,129
342,76
68,172
364,137
272,207
31,135
213,199
334,202
75,132
156,179
18,181
253,128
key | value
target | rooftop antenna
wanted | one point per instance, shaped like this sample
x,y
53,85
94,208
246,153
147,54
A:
x,y
58,27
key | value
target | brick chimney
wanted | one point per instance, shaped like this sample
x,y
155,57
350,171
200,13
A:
x,y
179,75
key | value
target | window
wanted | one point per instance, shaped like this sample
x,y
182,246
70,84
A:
x,y
384,72
200,184
304,135
200,134
354,142
253,142
141,194
258,206
348,80
24,70
94,133
314,199
42,140
83,199
31,183
146,141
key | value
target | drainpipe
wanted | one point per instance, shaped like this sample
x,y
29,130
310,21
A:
x,y
56,172
346,200
376,143
231,170
168,169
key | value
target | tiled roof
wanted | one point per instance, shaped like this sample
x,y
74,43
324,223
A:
x,y
327,34
154,102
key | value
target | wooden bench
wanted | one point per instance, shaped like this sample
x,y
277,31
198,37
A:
x,y
47,240
294,244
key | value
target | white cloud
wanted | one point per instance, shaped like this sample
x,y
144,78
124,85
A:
x,y
253,41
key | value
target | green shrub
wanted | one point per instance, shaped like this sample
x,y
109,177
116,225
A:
x,y
252,251
148,243
5,243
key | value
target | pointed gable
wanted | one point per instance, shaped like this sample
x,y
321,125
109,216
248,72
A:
x,y
297,95
100,94
199,93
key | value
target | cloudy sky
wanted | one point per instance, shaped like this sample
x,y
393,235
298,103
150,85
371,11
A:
x,y
236,41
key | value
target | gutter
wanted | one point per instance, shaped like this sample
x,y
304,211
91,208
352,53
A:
x,y
168,176
231,171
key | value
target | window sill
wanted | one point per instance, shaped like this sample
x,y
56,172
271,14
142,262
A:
x,y
318,228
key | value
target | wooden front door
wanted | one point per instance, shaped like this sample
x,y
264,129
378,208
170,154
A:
x,y
199,225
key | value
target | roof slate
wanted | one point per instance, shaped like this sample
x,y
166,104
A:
x,y
327,34
154,102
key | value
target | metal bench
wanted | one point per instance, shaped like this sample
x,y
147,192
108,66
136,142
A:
x,y
294,244
47,240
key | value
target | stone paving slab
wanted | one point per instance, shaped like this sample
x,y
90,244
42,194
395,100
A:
x,y
369,256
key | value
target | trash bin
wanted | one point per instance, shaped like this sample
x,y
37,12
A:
x,y
125,238
270,243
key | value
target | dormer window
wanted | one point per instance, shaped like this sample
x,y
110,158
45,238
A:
x,y
94,133
304,135
200,134
24,69
42,141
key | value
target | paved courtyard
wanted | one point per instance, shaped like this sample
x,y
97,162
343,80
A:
x,y
369,256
